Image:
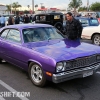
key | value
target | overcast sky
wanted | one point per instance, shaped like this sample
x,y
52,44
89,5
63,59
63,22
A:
x,y
46,3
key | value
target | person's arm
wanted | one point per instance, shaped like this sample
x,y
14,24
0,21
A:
x,y
79,28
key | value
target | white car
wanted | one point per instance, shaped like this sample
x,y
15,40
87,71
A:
x,y
93,33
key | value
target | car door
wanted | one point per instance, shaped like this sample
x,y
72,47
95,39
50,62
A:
x,y
13,46
3,35
84,22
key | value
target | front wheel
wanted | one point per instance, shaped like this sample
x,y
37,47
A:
x,y
36,74
96,39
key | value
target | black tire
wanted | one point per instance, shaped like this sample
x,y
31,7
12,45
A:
x,y
0,60
59,26
96,39
34,73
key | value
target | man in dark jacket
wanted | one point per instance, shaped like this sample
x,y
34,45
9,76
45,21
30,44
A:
x,y
17,20
26,19
73,27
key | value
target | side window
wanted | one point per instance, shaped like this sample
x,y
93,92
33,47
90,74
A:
x,y
84,22
56,16
4,33
42,18
94,21
37,18
14,35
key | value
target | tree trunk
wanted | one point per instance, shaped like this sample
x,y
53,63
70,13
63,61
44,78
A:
x,y
74,11
15,11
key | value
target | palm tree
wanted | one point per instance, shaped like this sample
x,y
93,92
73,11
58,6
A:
x,y
16,5
28,6
36,6
75,4
8,8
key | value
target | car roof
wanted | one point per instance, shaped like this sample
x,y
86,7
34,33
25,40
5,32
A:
x,y
51,13
22,26
84,18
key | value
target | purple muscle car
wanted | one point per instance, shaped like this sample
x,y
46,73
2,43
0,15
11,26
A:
x,y
45,54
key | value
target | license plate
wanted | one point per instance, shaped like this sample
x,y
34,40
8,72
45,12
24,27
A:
x,y
87,74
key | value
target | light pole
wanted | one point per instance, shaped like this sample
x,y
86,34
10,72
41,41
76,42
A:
x,y
33,5
11,5
87,5
41,4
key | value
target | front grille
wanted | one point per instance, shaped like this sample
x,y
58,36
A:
x,y
82,62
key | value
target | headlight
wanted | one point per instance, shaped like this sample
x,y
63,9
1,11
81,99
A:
x,y
62,66
59,67
98,57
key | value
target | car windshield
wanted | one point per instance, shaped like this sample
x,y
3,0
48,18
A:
x,y
41,34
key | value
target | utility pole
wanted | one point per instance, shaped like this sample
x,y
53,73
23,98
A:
x,y
11,6
41,4
87,5
33,5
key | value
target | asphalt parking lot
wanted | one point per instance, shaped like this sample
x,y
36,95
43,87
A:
x,y
15,80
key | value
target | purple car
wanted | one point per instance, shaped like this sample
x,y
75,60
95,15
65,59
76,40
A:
x,y
45,54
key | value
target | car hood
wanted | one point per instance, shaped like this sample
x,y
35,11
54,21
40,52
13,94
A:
x,y
64,49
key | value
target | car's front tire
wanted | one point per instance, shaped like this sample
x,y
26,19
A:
x,y
96,39
36,75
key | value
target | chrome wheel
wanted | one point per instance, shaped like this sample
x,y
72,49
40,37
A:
x,y
96,39
36,74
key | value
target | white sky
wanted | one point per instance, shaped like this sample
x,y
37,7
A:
x,y
47,3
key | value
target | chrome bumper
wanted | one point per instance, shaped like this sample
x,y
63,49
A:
x,y
77,73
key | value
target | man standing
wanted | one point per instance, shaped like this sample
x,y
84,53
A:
x,y
73,27
17,19
2,20
26,19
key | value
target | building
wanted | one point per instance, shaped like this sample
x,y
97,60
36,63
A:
x,y
3,9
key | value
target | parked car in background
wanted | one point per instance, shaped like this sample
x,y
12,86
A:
x,y
85,21
88,21
45,54
93,33
52,18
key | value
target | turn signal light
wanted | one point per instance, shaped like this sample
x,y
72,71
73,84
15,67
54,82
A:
x,y
49,74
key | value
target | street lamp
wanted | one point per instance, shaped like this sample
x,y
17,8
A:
x,y
11,5
87,5
41,4
33,5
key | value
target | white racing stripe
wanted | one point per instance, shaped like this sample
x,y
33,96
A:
x,y
1,98
11,90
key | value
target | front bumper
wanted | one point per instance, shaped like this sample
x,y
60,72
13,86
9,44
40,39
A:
x,y
77,73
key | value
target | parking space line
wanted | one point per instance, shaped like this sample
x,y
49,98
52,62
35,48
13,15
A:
x,y
11,90
98,72
1,98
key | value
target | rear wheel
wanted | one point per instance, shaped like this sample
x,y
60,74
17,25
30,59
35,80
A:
x,y
96,39
36,74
